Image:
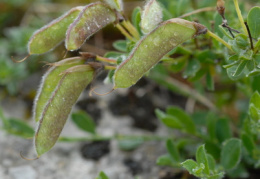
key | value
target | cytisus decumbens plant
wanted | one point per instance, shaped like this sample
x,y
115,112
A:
x,y
151,38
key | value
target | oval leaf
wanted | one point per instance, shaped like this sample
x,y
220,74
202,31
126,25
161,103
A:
x,y
253,20
231,153
58,107
92,18
201,157
152,48
51,35
84,122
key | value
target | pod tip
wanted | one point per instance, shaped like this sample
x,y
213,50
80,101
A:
x,y
27,158
19,61
92,90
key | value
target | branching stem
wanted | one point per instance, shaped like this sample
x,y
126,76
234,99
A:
x,y
125,33
110,67
103,59
131,29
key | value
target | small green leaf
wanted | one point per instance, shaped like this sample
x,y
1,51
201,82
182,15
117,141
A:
x,y
192,68
255,100
253,20
178,63
242,41
84,122
183,118
136,19
20,128
211,162
217,176
190,165
102,175
248,143
120,45
223,130
172,122
240,68
164,160
172,150
201,157
253,112
230,153
160,114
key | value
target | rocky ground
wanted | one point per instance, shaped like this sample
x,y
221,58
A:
x,y
122,112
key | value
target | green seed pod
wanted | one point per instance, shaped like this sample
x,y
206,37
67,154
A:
x,y
149,50
57,108
152,15
93,17
51,35
115,4
49,83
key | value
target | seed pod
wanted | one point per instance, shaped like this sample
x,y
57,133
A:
x,y
149,50
93,17
152,15
51,35
221,8
115,4
58,106
49,83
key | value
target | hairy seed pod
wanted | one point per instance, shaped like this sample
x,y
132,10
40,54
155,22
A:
x,y
51,35
115,4
149,50
93,17
49,82
62,96
152,15
221,8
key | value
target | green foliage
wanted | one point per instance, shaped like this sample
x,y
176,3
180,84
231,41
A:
x,y
160,46
253,21
231,153
204,166
102,175
84,122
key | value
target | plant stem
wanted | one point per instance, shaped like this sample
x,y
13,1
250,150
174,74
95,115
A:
x,y
115,137
125,33
128,25
198,11
110,67
250,37
211,34
103,59
240,17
